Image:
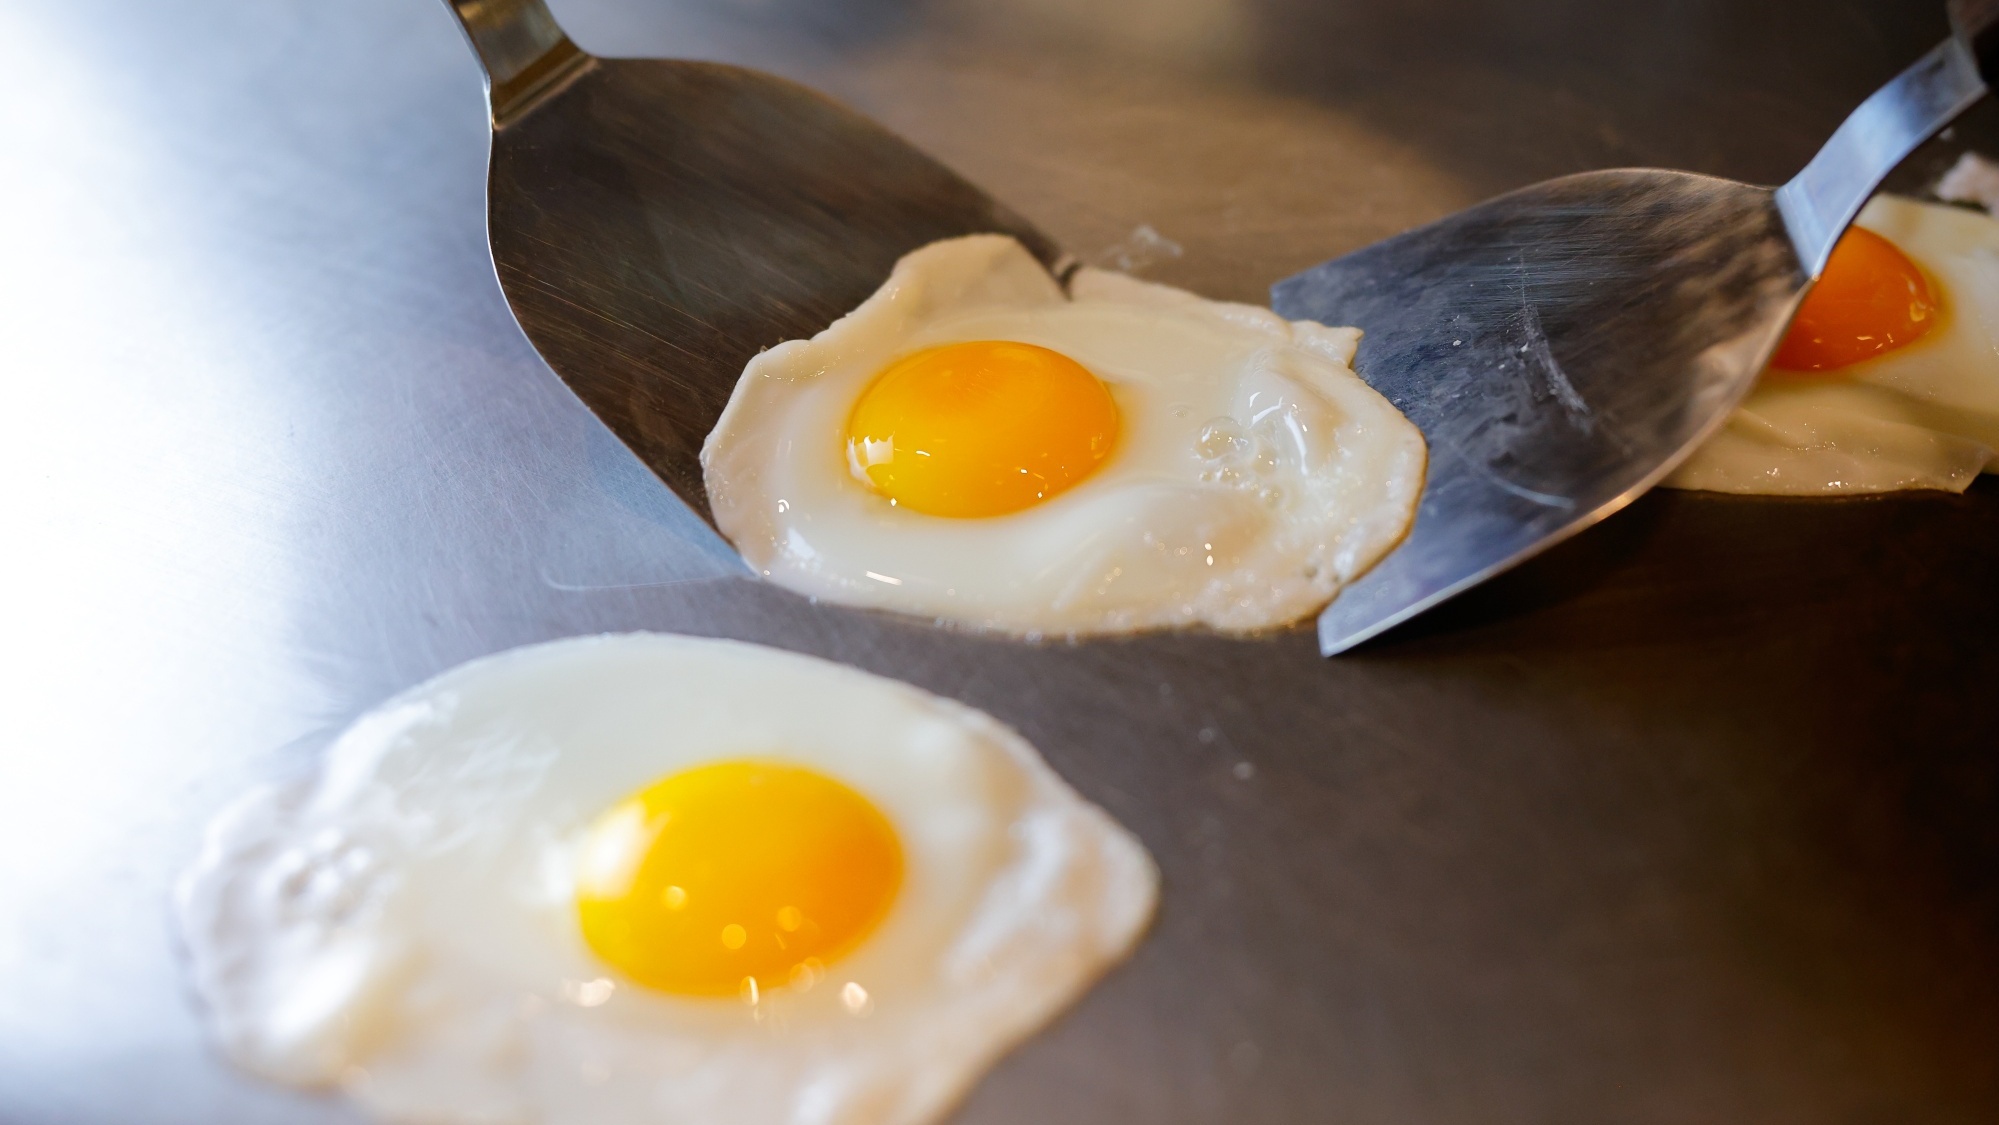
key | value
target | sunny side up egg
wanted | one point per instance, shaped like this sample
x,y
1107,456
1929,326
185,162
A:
x,y
657,879
1889,376
976,445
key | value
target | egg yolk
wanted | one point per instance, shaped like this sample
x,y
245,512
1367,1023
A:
x,y
1871,299
982,428
734,877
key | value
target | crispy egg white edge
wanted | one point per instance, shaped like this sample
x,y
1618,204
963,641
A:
x,y
307,1006
1905,420
1379,455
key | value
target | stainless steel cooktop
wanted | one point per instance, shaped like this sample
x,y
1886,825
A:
x,y
1690,820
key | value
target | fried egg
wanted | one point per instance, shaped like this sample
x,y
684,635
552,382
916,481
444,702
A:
x,y
976,445
1889,376
657,879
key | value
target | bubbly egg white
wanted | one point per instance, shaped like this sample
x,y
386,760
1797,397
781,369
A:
x,y
403,927
1254,474
1925,415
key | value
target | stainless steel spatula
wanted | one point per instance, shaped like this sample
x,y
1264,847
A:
x,y
656,223
1565,346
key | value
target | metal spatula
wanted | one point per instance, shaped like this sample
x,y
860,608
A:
x,y
1565,346
656,223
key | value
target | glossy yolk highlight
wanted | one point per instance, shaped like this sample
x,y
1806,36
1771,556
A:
x,y
983,428
1871,299
734,877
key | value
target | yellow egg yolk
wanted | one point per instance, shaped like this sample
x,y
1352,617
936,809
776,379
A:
x,y
983,428
1871,299
735,877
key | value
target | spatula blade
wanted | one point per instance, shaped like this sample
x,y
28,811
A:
x,y
1562,348
657,223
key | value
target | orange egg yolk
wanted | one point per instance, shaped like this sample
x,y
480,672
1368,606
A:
x,y
735,877
983,428
1871,299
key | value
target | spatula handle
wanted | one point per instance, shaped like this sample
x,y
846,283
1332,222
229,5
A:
x,y
522,49
1820,201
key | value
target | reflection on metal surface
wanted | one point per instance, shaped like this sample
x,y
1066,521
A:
x,y
143,457
1093,148
1199,34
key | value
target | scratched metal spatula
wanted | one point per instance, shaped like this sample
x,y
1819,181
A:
x,y
1565,346
656,223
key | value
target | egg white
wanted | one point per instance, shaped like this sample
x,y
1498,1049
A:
x,y
1254,474
402,926
1925,415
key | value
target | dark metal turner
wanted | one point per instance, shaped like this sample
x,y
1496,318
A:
x,y
656,223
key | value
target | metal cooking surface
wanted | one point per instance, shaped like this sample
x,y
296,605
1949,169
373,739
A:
x,y
1690,820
